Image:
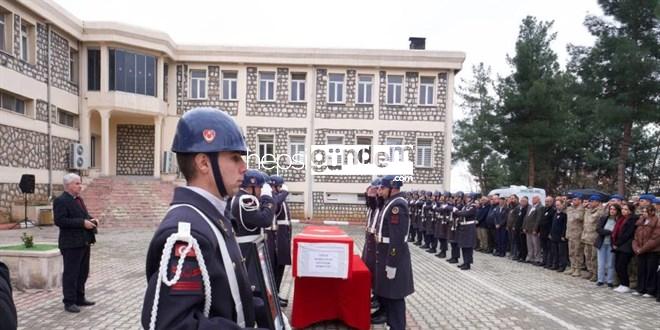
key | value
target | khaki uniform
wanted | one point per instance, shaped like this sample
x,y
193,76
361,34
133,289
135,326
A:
x,y
589,235
574,228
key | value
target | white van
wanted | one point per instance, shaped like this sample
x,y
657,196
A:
x,y
519,191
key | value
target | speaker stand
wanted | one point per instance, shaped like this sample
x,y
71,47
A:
x,y
24,223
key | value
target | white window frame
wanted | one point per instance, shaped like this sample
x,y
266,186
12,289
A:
x,y
25,44
299,85
260,143
327,141
73,116
361,87
420,151
426,87
294,147
343,88
198,81
401,89
7,26
268,82
232,87
389,138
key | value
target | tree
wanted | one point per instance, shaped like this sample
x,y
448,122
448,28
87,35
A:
x,y
621,72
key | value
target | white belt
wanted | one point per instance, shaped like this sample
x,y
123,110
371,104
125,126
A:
x,y
385,240
468,222
283,222
371,230
248,238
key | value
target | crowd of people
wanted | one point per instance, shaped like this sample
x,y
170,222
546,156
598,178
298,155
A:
x,y
609,241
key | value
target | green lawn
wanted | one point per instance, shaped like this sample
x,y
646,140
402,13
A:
x,y
36,247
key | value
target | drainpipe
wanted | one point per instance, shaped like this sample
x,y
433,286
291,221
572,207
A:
x,y
308,158
50,133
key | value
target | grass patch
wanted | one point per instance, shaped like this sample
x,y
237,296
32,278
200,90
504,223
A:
x,y
36,247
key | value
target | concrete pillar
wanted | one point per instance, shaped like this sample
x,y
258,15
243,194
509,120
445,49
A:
x,y
160,74
105,142
105,75
158,120
446,180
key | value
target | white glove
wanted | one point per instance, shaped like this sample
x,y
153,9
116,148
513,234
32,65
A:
x,y
391,272
455,209
284,188
266,190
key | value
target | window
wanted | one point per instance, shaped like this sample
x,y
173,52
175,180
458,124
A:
x,y
12,103
92,151
394,150
365,87
132,72
394,89
197,84
266,86
297,148
229,82
165,77
335,140
336,88
297,87
93,69
426,91
424,147
266,146
73,66
364,140
67,118
5,25
25,42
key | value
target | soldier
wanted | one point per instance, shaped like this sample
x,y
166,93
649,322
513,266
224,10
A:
x,y
369,251
467,230
419,211
427,213
282,231
412,199
452,235
394,278
432,223
589,235
210,286
574,228
442,224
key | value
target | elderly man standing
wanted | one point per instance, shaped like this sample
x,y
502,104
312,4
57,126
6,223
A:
x,y
77,229
531,229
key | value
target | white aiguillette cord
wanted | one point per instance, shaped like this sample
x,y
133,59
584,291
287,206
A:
x,y
183,235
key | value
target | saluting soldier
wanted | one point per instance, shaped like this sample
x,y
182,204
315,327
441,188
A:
x,y
369,250
282,231
209,146
412,200
427,214
467,230
419,212
394,277
442,226
435,214
452,234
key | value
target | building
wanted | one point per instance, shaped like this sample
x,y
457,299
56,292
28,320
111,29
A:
x,y
118,91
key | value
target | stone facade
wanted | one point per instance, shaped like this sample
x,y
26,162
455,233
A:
x,y
10,194
297,210
336,211
349,109
23,148
184,103
281,107
410,110
281,147
135,150
432,175
39,70
350,137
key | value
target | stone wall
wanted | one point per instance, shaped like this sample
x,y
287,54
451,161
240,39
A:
x,y
350,137
135,150
184,103
434,175
23,148
356,213
281,142
10,194
349,109
410,110
297,210
281,107
39,70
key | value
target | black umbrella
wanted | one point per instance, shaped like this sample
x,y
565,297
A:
x,y
586,193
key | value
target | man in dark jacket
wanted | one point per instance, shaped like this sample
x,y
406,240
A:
x,y
77,230
7,307
545,224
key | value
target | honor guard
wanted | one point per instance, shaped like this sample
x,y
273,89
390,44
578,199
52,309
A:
x,y
282,230
467,230
427,213
452,235
394,278
369,250
196,276
412,199
435,213
419,211
442,226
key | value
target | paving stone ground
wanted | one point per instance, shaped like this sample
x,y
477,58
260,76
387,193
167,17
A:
x,y
496,294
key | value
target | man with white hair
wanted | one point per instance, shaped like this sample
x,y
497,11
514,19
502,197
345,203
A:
x,y
77,229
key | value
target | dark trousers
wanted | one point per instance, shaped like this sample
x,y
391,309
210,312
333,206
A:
x,y
558,254
76,270
646,273
546,245
467,255
411,233
515,244
443,244
395,310
420,235
434,242
279,274
621,261
491,239
455,251
522,246
500,241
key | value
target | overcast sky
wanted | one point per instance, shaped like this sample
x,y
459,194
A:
x,y
486,30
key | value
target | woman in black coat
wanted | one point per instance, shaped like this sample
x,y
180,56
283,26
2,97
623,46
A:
x,y
622,238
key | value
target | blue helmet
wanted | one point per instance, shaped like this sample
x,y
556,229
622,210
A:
x,y
375,183
447,194
208,130
436,193
459,194
266,177
276,180
388,182
252,178
429,193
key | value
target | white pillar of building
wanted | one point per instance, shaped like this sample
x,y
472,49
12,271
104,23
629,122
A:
x,y
160,75
105,142
158,120
105,75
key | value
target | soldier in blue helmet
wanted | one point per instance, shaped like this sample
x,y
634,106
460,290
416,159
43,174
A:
x,y
452,234
394,277
282,230
209,288
369,249
418,217
412,200
442,226
435,216
467,230
427,214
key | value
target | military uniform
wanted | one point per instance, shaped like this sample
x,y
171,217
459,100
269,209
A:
x,y
452,235
467,233
412,206
589,235
442,227
392,252
283,237
369,251
419,219
179,305
428,222
574,228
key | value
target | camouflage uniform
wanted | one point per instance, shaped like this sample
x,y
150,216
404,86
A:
x,y
574,226
589,235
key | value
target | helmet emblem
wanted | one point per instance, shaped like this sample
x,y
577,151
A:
x,y
209,135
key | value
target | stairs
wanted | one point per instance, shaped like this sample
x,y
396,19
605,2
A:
x,y
128,201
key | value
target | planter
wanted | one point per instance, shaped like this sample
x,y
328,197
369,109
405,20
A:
x,y
34,269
